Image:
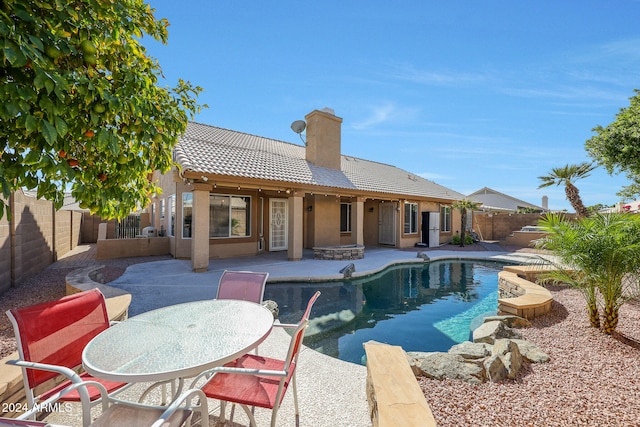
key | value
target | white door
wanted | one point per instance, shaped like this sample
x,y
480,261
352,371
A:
x,y
387,224
278,225
434,229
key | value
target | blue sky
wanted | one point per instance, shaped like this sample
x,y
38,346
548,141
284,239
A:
x,y
469,94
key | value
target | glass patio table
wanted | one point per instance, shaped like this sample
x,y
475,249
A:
x,y
177,341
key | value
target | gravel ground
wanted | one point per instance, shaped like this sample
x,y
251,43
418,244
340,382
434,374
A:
x,y
591,380
47,285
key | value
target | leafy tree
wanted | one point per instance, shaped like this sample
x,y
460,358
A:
x,y
80,103
566,176
617,146
464,205
600,255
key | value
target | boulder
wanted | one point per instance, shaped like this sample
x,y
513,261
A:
x,y
530,351
510,320
490,331
444,365
510,355
471,350
495,369
272,306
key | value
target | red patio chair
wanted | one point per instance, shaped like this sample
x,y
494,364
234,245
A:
x,y
242,285
50,338
253,380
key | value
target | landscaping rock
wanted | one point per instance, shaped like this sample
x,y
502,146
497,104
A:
x,y
445,365
495,370
490,331
510,320
272,306
530,352
471,350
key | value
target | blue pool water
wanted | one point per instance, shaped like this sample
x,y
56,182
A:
x,y
420,307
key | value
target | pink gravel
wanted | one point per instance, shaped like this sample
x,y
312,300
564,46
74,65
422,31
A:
x,y
591,380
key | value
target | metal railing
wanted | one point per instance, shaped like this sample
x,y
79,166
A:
x,y
128,228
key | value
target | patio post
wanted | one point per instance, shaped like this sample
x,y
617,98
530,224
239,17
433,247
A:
x,y
200,234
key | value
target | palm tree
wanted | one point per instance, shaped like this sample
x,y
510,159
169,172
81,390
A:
x,y
600,255
462,206
568,175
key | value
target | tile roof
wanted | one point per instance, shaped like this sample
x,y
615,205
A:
x,y
212,150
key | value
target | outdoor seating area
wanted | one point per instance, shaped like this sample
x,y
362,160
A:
x,y
186,352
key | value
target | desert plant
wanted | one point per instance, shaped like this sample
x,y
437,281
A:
x,y
600,255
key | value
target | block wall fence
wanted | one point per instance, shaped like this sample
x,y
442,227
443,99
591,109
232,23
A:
x,y
35,236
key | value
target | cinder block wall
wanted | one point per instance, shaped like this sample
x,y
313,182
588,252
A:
x,y
5,254
497,226
35,237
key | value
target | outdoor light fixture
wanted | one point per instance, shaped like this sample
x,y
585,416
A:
x,y
309,208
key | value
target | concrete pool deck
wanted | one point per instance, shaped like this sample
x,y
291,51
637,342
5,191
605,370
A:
x,y
331,392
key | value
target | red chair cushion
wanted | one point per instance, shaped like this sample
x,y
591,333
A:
x,y
252,390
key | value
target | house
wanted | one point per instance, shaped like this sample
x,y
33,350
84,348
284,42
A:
x,y
238,194
493,200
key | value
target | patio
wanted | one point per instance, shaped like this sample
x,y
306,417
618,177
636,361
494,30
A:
x,y
331,392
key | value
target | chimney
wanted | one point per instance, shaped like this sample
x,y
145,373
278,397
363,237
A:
x,y
545,203
323,138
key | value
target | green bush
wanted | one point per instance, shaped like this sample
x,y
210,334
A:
x,y
468,240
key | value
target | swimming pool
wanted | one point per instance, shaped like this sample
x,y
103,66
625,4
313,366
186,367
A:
x,y
420,307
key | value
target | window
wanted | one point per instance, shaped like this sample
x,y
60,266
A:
x,y
172,214
345,217
229,216
410,218
187,214
161,208
445,218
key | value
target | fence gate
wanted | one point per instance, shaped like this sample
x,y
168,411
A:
x,y
128,228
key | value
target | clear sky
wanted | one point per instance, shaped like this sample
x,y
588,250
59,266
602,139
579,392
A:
x,y
469,94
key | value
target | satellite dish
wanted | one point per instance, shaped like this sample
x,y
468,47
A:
x,y
298,126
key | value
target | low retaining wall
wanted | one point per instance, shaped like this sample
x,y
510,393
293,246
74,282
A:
x,y
521,297
125,248
346,252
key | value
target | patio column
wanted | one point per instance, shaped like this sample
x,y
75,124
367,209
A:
x,y
200,233
358,220
295,243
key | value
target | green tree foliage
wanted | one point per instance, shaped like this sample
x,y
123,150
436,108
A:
x,y
463,206
567,176
600,255
81,105
617,146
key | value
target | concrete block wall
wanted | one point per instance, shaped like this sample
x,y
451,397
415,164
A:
x,y
497,226
5,254
34,237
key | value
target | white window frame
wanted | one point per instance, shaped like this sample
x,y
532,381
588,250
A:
x,y
410,218
445,219
348,208
187,203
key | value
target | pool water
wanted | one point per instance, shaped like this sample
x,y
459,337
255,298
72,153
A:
x,y
420,307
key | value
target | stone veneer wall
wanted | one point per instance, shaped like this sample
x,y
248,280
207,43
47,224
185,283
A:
x,y
349,252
